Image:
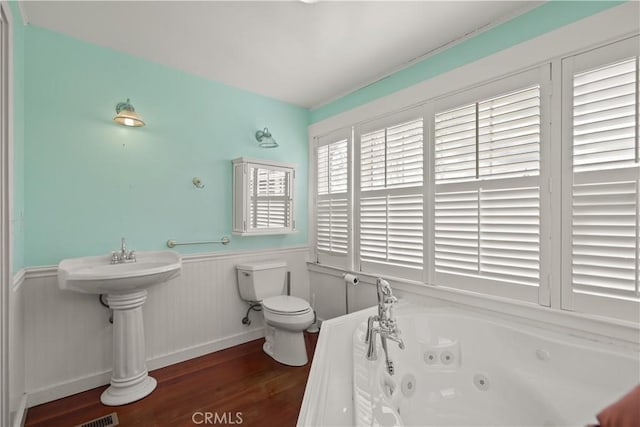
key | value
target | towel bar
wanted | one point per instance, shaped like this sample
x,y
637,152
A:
x,y
172,243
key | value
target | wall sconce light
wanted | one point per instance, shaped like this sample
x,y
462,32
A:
x,y
126,115
265,140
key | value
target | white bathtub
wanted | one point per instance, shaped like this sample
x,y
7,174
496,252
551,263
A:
x,y
461,369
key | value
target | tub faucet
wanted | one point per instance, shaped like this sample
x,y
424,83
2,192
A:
x,y
123,256
386,328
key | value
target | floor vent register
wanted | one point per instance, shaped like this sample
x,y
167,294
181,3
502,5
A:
x,y
108,420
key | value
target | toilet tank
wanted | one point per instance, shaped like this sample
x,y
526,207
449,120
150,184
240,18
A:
x,y
260,280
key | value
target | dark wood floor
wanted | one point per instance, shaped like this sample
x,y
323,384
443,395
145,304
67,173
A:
x,y
240,379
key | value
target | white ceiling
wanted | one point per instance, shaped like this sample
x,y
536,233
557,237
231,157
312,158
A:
x,y
304,54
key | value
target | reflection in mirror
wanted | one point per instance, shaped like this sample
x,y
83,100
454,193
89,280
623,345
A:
x,y
263,197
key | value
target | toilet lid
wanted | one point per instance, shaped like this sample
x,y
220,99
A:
x,y
285,304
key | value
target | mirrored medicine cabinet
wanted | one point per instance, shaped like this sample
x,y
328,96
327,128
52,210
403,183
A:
x,y
262,197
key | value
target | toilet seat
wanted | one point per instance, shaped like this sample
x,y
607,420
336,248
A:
x,y
286,305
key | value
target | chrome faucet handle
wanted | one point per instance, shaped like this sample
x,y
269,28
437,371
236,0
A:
x,y
131,256
370,327
396,338
114,257
372,353
390,299
384,287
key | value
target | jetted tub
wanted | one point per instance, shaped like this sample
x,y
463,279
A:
x,y
463,368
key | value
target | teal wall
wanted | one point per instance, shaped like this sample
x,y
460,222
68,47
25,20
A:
x,y
18,137
544,18
82,181
89,181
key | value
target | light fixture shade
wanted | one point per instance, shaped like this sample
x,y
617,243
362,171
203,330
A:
x,y
265,140
127,116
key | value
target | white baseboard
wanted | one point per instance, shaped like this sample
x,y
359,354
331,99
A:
x,y
20,415
78,385
202,349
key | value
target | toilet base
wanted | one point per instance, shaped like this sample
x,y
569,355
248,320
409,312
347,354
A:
x,y
286,347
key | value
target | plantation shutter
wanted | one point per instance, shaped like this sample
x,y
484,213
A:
x,y
602,211
487,192
391,201
270,201
332,200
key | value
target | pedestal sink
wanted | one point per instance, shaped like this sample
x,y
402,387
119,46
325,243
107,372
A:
x,y
126,287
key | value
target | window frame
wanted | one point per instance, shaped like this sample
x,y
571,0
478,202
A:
x,y
372,267
552,187
322,257
570,65
535,76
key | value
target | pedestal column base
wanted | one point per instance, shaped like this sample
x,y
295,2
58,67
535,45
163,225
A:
x,y
115,396
129,379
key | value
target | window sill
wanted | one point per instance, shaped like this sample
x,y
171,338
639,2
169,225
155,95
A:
x,y
598,328
263,233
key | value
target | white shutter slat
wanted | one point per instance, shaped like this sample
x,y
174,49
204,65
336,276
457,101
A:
x,y
510,244
391,206
604,237
373,231
604,206
509,134
270,206
270,213
455,144
604,117
404,165
332,206
322,170
489,233
456,232
455,120
338,167
497,138
332,226
372,160
391,230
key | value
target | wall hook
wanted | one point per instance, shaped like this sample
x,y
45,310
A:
x,y
197,182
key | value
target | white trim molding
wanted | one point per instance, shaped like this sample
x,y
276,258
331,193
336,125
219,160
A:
x,y
6,194
18,279
20,414
23,12
602,329
51,270
600,29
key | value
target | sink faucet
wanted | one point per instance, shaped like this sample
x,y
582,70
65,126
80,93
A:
x,y
123,256
123,249
387,328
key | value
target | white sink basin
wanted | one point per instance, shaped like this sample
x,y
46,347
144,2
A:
x,y
96,274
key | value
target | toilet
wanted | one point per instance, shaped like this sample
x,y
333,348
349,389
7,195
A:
x,y
286,316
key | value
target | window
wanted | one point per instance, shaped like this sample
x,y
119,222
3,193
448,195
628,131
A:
x,y
390,205
263,197
487,189
332,197
474,211
601,207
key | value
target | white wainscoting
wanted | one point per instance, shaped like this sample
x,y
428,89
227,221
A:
x,y
16,346
333,294
68,338
329,287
